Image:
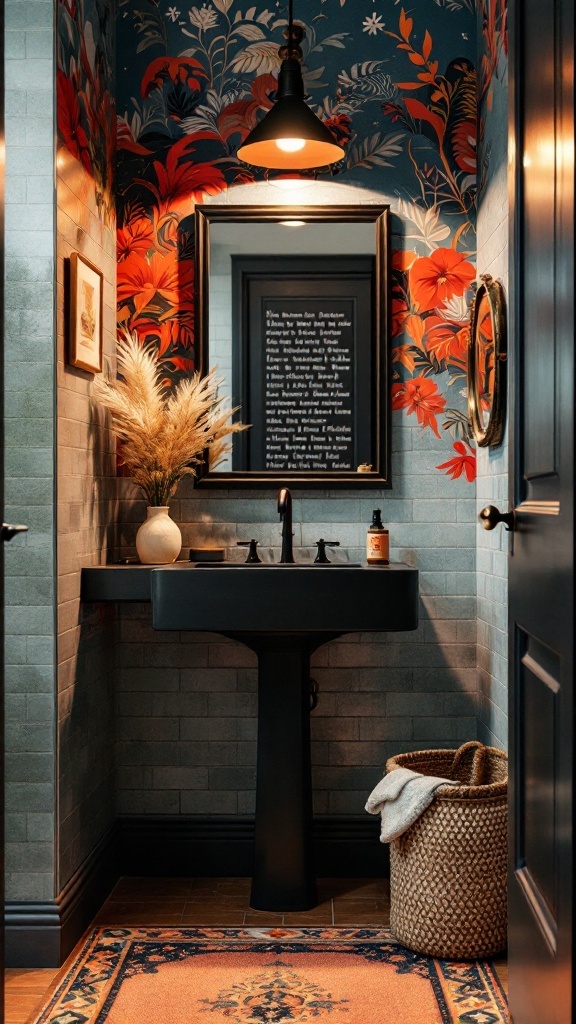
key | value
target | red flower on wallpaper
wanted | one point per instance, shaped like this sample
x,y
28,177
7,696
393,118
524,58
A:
x,y
341,127
176,333
174,69
241,116
136,236
464,145
125,138
70,121
400,311
140,280
446,339
402,259
419,395
463,462
436,278
180,180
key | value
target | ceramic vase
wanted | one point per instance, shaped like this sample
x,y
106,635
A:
x,y
158,540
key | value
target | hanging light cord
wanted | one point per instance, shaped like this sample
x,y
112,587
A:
x,y
290,50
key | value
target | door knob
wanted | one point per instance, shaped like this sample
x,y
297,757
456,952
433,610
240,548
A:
x,y
490,516
7,531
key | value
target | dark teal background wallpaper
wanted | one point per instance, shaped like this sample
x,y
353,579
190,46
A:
x,y
398,87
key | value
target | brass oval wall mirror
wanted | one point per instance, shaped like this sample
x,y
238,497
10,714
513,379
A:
x,y
487,363
292,307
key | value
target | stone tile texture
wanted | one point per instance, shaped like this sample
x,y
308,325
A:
x,y
29,451
86,513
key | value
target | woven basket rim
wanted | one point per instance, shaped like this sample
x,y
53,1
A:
x,y
465,791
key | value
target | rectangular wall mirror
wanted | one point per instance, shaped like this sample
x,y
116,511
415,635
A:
x,y
292,307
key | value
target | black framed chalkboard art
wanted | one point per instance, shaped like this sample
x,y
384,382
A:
x,y
308,361
302,362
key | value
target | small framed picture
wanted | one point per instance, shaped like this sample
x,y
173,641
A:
x,y
86,309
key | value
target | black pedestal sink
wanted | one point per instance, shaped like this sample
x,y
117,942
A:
x,y
284,613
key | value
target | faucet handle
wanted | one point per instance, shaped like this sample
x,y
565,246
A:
x,y
252,546
321,558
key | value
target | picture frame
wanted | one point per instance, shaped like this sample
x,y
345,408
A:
x,y
487,355
85,321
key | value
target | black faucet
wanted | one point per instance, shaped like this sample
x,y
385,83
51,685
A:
x,y
285,511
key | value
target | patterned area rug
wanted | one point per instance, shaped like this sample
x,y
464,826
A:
x,y
268,976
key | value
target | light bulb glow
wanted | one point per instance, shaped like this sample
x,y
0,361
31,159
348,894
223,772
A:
x,y
293,223
291,184
290,145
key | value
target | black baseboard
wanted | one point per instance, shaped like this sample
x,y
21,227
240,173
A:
x,y
223,847
43,934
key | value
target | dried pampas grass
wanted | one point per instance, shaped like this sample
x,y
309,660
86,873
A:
x,y
164,435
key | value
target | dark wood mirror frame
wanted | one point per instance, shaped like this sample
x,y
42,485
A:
x,y
379,476
488,432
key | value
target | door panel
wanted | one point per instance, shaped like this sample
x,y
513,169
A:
x,y
539,202
541,598
536,794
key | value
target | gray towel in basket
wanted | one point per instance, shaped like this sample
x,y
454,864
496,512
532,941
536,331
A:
x,y
401,797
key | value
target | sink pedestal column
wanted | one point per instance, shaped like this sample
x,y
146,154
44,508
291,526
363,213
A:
x,y
283,878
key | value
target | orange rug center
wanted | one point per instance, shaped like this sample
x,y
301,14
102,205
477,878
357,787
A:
x,y
259,988
171,975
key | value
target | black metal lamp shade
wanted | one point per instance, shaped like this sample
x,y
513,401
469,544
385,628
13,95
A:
x,y
290,137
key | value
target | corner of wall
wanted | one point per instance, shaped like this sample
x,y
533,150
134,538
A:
x,y
493,466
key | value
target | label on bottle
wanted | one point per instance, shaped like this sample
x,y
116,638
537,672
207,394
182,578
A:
x,y
378,546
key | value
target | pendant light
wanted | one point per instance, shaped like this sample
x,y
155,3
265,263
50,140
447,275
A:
x,y
290,137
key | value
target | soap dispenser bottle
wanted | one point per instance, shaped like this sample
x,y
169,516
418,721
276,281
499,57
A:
x,y
377,541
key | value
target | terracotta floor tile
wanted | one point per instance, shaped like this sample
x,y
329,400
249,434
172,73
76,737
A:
x,y
129,889
218,901
264,918
142,908
501,968
28,978
207,883
234,886
132,920
20,1008
352,888
198,914
362,912
320,915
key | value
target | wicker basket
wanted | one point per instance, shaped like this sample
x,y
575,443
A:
x,y
448,870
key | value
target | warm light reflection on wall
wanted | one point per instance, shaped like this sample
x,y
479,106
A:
x,y
540,160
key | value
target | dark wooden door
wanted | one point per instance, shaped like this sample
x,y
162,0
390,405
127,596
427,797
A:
x,y
541,609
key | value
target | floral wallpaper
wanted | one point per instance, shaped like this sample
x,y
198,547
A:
x,y
396,86
86,112
492,87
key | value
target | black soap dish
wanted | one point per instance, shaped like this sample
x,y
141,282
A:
x,y
207,554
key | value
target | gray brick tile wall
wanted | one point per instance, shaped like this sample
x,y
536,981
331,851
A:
x,y
86,514
29,451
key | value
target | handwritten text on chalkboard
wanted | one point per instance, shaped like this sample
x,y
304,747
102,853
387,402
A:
x,y
309,384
